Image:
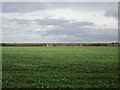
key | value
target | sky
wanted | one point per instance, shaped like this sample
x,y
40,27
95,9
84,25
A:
x,y
59,22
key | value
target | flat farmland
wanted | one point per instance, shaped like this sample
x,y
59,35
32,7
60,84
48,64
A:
x,y
60,67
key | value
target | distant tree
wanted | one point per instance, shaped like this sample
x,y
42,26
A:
x,y
3,44
98,44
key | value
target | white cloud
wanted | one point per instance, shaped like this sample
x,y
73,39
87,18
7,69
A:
x,y
68,14
26,27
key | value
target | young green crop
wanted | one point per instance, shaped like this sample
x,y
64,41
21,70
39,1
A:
x,y
60,67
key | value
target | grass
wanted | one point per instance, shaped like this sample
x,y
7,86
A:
x,y
60,67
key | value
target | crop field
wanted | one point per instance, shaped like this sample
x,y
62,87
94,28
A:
x,y
60,67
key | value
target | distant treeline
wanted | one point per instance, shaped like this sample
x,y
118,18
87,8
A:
x,y
60,44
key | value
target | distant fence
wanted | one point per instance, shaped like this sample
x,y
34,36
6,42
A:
x,y
61,44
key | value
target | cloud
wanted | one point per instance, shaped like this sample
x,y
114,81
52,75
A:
x,y
112,11
52,30
63,22
24,7
58,22
52,21
77,34
21,7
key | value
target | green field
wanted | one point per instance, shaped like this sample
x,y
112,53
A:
x,y
60,67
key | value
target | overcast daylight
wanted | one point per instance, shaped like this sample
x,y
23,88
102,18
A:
x,y
59,22
59,45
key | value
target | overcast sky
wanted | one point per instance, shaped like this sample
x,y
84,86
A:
x,y
59,22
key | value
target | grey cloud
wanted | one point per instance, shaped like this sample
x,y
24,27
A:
x,y
84,34
73,34
25,7
21,21
56,22
52,21
64,32
112,11
64,23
